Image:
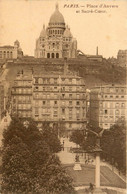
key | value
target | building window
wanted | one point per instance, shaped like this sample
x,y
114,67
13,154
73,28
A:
x,y
36,111
117,105
48,102
63,89
55,102
11,54
117,112
48,55
70,125
43,88
77,103
77,96
55,80
101,104
70,89
36,104
78,88
36,80
122,105
63,95
43,102
55,113
36,88
53,55
63,79
106,111
36,96
70,102
57,54
70,95
63,110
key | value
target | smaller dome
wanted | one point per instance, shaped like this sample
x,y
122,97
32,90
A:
x,y
43,32
67,32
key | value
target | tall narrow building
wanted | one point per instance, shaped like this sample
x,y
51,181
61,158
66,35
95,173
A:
x,y
56,41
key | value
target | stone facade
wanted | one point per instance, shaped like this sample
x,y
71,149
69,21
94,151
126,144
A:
x,y
56,41
122,58
51,97
11,52
108,105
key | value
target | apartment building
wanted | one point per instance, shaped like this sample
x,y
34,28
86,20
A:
x,y
51,97
11,52
108,104
21,96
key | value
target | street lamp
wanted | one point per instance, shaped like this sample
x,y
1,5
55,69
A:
x,y
97,151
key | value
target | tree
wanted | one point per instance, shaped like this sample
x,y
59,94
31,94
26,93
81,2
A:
x,y
15,167
56,180
114,143
49,134
77,137
29,162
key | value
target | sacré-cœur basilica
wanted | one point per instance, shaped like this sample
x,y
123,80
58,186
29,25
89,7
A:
x,y
56,41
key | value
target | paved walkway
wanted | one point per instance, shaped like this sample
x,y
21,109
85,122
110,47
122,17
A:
x,y
68,157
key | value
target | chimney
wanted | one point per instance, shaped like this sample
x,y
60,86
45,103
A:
x,y
97,51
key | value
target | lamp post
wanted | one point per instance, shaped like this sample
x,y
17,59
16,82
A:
x,y
97,151
97,169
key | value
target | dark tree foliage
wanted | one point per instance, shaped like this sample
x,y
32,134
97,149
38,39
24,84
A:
x,y
89,142
50,135
113,143
77,137
56,180
28,162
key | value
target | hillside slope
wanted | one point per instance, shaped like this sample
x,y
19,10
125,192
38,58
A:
x,y
94,73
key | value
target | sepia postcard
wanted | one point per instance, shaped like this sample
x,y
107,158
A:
x,y
63,96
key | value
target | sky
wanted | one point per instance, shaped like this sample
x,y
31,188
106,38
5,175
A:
x,y
23,20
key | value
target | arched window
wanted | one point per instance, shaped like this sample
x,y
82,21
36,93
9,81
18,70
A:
x,y
48,55
57,55
53,45
4,54
7,54
52,55
11,54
